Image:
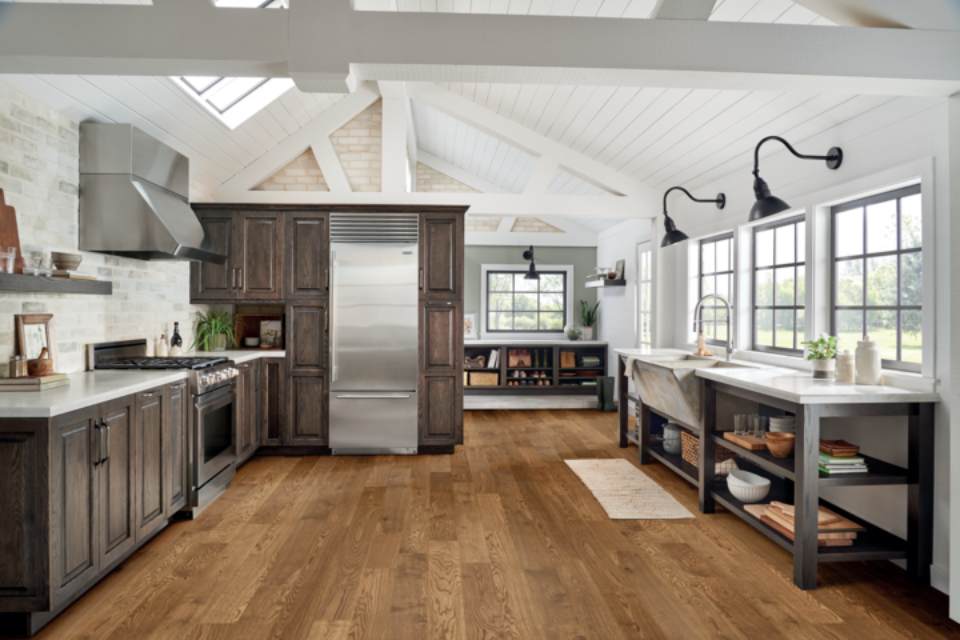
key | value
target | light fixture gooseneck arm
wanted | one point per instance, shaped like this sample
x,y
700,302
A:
x,y
720,200
834,157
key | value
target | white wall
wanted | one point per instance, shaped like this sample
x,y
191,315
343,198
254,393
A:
x,y
897,138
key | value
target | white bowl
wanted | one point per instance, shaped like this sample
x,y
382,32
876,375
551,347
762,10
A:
x,y
746,486
786,424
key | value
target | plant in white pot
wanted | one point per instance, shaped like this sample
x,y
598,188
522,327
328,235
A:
x,y
822,352
214,331
588,318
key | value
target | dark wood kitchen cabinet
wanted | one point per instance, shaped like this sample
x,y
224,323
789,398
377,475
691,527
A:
x,y
308,254
273,398
307,326
81,492
151,407
441,256
177,438
247,422
441,410
253,243
306,421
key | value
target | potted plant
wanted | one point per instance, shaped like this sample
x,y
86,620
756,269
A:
x,y
213,331
588,318
822,352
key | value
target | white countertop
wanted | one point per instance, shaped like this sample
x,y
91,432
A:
x,y
93,387
792,385
563,342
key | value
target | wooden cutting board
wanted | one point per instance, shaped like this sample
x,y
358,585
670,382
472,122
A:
x,y
750,443
9,235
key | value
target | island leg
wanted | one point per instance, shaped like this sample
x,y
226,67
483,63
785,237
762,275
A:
x,y
806,498
920,492
707,462
643,432
623,402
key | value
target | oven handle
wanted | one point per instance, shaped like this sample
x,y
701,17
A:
x,y
372,396
205,400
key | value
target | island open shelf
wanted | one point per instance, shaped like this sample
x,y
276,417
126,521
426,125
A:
x,y
534,367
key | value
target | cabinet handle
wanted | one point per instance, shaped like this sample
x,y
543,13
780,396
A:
x,y
107,440
101,429
233,278
421,278
240,274
97,449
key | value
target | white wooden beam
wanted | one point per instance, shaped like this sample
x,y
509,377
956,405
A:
x,y
527,139
543,173
498,238
455,172
916,14
329,162
393,147
543,206
293,145
683,9
321,44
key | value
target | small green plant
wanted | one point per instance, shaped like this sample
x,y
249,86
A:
x,y
210,327
823,348
588,314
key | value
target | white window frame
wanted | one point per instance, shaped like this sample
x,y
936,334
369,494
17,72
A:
x,y
646,248
524,335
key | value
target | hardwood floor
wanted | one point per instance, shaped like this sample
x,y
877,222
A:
x,y
498,540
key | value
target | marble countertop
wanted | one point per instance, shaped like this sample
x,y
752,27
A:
x,y
94,387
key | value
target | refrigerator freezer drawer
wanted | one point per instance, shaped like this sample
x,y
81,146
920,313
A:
x,y
374,422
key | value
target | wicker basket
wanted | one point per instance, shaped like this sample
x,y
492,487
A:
x,y
690,449
484,379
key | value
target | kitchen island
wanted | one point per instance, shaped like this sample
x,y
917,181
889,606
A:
x,y
779,391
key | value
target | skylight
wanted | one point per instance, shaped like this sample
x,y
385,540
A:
x,y
233,100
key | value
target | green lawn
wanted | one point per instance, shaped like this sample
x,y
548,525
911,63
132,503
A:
x,y
886,339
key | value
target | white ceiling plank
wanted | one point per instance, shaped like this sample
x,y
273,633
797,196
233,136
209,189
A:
x,y
683,9
457,173
602,138
543,173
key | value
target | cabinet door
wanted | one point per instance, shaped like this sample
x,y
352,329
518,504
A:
x,y
74,458
272,400
149,467
116,498
247,422
306,422
260,266
208,280
441,410
177,432
441,256
306,344
442,347
307,247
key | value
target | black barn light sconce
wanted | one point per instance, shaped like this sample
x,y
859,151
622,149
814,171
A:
x,y
673,235
768,204
532,271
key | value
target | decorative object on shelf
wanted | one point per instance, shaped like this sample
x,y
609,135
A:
x,y
834,530
38,264
176,340
846,368
839,448
568,360
475,362
33,334
588,318
65,262
470,329
10,237
671,438
673,235
214,331
725,467
17,368
783,424
768,204
8,259
162,347
690,450
572,332
519,358
780,444
746,440
271,334
532,270
868,362
822,352
251,341
746,486
619,269
40,366
483,379
841,465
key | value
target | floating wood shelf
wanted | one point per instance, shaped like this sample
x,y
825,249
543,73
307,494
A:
x,y
42,284
605,282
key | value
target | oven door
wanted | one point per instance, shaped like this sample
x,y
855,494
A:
x,y
213,444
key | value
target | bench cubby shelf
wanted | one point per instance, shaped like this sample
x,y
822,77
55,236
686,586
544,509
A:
x,y
541,373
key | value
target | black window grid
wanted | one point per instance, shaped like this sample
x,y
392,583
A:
x,y
562,311
711,325
798,306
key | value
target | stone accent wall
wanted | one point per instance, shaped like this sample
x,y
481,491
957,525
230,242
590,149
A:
x,y
429,179
358,145
533,225
39,174
302,174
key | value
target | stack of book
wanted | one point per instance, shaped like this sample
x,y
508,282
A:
x,y
833,529
590,361
838,457
42,383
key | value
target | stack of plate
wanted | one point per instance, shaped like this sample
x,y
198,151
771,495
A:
x,y
783,424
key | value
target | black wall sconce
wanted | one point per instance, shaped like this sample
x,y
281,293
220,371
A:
x,y
673,235
532,271
768,204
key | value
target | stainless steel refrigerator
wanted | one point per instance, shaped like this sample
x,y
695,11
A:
x,y
374,278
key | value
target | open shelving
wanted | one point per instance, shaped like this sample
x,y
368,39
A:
x,y
536,368
22,283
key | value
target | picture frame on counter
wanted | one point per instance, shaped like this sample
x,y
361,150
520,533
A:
x,y
470,329
33,334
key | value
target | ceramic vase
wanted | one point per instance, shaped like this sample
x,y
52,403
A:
x,y
824,369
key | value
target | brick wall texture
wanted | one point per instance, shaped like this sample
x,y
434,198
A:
x,y
429,179
39,174
302,174
358,145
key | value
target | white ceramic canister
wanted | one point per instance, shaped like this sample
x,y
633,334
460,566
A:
x,y
671,438
868,362
846,368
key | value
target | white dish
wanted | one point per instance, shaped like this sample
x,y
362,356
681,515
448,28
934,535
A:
x,y
785,424
746,486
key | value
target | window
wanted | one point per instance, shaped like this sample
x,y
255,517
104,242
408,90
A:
x,y
645,295
779,286
233,100
716,277
878,275
530,306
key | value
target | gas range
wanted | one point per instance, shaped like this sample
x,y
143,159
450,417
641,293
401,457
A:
x,y
206,373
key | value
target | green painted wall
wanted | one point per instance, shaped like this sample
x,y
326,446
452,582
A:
x,y
583,259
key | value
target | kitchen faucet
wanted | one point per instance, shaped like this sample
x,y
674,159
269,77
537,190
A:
x,y
698,321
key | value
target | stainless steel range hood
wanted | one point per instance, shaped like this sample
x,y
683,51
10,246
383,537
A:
x,y
133,197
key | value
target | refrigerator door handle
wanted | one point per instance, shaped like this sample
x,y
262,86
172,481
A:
x,y
331,319
373,396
